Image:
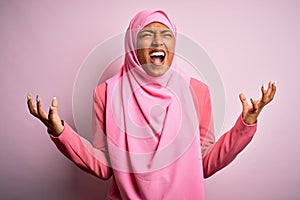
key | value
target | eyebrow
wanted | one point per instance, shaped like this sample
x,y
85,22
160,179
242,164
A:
x,y
148,30
153,32
166,31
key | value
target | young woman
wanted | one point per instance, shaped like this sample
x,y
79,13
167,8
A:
x,y
154,132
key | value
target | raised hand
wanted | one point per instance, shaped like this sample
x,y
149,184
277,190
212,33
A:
x,y
251,111
51,119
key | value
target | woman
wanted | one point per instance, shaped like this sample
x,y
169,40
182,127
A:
x,y
153,130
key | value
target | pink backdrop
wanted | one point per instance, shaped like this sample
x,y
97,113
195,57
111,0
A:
x,y
43,44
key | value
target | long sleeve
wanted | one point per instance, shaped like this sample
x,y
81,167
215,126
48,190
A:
x,y
90,158
218,154
227,147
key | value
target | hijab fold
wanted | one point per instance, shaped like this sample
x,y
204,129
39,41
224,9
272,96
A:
x,y
152,127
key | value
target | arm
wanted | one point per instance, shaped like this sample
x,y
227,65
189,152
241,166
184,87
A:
x,y
93,159
82,153
217,155
226,149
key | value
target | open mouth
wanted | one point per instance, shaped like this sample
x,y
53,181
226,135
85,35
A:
x,y
157,57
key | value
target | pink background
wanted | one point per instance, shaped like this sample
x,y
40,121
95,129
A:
x,y
43,44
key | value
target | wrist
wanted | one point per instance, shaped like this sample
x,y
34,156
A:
x,y
249,120
57,130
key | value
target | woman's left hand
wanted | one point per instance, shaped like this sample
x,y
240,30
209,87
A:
x,y
251,111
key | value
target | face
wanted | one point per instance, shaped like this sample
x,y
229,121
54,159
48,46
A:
x,y
155,48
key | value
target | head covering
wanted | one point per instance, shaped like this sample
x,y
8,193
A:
x,y
141,20
151,124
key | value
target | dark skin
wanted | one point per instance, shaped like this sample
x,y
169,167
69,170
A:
x,y
51,119
153,37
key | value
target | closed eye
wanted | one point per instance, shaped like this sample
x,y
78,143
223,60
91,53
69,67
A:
x,y
166,33
146,33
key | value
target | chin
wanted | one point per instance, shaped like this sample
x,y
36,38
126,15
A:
x,y
157,73
155,70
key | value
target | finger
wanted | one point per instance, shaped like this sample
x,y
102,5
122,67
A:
x,y
54,119
243,98
32,108
42,115
273,91
54,106
254,104
270,93
263,90
269,88
263,93
54,102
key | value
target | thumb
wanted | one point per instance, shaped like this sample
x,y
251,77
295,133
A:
x,y
54,102
54,118
54,106
244,104
243,99
53,112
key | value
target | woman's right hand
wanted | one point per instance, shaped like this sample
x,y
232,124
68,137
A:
x,y
51,120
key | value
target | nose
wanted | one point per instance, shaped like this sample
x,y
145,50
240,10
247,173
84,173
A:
x,y
157,41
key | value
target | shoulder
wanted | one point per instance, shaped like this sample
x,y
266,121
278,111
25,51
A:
x,y
101,87
100,93
198,87
200,93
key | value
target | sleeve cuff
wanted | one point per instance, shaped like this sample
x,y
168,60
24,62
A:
x,y
64,134
249,125
245,129
52,135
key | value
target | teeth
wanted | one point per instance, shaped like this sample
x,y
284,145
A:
x,y
157,53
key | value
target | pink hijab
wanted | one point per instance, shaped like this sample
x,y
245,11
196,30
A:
x,y
151,124
137,23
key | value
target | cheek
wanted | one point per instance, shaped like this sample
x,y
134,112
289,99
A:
x,y
143,44
170,44
170,58
171,48
141,54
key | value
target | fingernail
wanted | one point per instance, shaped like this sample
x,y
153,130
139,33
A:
x,y
37,98
54,98
28,96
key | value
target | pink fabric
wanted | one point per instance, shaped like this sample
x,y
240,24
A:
x,y
154,135
152,127
217,155
95,159
139,21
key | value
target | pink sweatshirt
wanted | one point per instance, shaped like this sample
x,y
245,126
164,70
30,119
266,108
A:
x,y
183,181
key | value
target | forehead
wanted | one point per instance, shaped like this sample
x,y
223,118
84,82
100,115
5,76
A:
x,y
156,25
